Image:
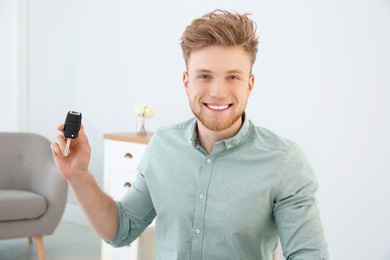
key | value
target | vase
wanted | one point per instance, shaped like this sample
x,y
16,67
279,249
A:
x,y
142,126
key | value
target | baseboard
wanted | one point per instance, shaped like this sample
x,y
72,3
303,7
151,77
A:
x,y
74,214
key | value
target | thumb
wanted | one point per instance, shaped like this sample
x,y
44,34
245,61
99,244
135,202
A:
x,y
83,137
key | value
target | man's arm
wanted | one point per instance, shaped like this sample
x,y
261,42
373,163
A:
x,y
100,209
296,213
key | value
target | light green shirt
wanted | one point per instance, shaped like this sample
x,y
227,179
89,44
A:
x,y
234,203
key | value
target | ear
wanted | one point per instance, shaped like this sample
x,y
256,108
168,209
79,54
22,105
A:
x,y
251,83
185,81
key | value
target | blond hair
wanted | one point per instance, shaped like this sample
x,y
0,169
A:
x,y
221,28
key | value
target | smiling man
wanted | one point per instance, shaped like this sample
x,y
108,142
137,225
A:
x,y
218,186
218,83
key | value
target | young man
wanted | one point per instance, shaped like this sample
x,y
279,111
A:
x,y
218,186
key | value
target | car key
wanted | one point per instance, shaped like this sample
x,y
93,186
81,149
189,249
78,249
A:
x,y
71,128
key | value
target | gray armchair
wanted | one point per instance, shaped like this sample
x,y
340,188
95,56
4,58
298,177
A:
x,y
32,191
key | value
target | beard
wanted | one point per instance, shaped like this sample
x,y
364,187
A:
x,y
218,124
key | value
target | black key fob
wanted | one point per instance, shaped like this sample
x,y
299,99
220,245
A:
x,y
72,124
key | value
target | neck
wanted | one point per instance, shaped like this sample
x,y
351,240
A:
x,y
208,138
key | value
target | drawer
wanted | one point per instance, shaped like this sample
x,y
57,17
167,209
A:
x,y
121,159
124,156
117,180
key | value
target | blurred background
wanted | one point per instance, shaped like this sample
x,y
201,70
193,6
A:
x,y
322,80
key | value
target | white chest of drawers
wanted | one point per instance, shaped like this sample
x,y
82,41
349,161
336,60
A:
x,y
122,153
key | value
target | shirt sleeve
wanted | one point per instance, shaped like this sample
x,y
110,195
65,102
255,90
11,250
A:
x,y
295,210
135,210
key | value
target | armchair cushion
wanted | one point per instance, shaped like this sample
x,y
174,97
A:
x,y
21,205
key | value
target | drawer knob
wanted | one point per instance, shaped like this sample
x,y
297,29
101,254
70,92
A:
x,y
128,155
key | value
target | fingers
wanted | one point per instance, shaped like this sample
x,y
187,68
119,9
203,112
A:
x,y
83,137
56,146
61,141
61,127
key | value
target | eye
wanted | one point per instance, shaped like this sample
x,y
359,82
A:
x,y
233,77
204,76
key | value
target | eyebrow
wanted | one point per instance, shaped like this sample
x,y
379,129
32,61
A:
x,y
227,72
235,72
202,71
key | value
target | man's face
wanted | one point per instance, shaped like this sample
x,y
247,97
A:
x,y
218,83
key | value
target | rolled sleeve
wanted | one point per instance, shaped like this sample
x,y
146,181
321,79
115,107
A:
x,y
135,213
296,213
123,229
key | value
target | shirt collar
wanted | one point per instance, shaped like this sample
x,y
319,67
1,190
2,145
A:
x,y
228,143
194,134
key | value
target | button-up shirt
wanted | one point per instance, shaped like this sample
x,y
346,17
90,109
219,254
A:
x,y
234,203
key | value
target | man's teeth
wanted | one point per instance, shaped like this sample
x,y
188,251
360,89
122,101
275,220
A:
x,y
217,107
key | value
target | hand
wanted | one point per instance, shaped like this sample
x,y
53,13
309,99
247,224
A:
x,y
77,161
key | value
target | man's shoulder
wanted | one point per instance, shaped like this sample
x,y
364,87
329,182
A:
x,y
269,139
180,132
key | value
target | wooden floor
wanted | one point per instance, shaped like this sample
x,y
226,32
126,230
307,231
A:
x,y
69,242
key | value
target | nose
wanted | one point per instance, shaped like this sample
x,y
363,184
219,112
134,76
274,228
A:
x,y
218,89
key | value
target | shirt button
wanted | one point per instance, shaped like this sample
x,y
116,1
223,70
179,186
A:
x,y
197,231
208,160
229,146
201,196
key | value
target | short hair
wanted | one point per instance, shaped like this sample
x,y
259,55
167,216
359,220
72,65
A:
x,y
220,28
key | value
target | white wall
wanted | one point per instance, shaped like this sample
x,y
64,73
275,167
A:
x,y
13,65
322,79
8,66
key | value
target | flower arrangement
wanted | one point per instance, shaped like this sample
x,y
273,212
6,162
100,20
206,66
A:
x,y
143,112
